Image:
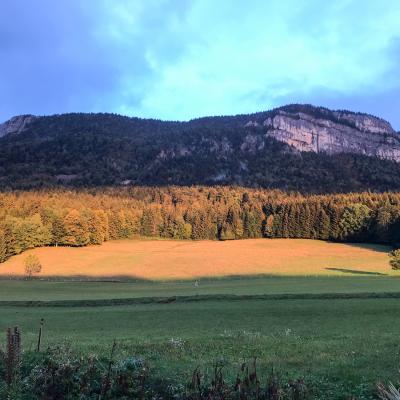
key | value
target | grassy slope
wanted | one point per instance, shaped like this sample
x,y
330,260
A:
x,y
341,344
167,259
333,342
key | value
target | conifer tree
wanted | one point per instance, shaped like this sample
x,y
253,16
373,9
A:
x,y
354,221
385,216
323,225
148,225
305,221
269,226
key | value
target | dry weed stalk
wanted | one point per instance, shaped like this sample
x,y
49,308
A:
x,y
389,392
12,355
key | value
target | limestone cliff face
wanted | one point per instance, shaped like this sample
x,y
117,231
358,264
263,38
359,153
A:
x,y
340,132
16,124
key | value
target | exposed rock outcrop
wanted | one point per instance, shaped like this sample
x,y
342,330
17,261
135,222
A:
x,y
339,132
16,124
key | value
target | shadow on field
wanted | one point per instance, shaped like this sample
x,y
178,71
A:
x,y
354,271
79,278
380,248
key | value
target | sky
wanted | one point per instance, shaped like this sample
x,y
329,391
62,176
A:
x,y
181,59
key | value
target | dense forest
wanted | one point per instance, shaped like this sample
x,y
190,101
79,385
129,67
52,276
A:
x,y
79,218
97,150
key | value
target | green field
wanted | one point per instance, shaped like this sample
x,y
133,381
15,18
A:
x,y
343,345
37,290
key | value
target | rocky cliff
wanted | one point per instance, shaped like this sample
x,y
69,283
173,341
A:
x,y
16,124
333,132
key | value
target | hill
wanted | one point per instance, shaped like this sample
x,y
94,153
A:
x,y
296,147
171,259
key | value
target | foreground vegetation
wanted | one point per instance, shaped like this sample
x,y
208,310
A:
x,y
341,347
58,374
338,347
32,219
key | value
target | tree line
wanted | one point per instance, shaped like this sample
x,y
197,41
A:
x,y
30,219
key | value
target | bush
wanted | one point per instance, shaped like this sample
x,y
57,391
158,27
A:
x,y
32,265
395,259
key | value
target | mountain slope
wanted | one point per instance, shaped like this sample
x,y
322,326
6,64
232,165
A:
x,y
297,147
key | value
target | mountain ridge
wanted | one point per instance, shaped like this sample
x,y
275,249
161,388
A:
x,y
284,107
296,147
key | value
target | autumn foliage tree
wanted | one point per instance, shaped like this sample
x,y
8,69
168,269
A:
x,y
76,229
32,265
79,218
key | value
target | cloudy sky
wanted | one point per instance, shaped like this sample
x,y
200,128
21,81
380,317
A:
x,y
179,59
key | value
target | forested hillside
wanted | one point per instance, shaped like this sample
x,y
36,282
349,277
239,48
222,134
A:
x,y
69,218
93,150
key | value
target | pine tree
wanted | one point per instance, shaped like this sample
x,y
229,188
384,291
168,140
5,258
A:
x,y
383,221
148,225
269,226
304,221
354,222
323,225
335,214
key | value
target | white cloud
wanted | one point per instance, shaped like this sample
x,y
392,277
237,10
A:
x,y
230,55
178,59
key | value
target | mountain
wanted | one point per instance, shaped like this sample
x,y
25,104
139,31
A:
x,y
295,147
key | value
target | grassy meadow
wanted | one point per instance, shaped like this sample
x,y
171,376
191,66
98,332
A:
x,y
67,290
344,346
173,259
341,346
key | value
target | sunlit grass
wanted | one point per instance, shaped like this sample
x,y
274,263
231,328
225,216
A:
x,y
167,259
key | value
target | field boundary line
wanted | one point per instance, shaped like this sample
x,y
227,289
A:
x,y
196,298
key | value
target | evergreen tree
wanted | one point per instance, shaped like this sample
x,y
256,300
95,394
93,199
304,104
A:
x,y
335,215
305,221
323,225
354,222
148,224
385,216
269,226
251,224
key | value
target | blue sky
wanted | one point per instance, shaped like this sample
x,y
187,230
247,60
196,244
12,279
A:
x,y
179,59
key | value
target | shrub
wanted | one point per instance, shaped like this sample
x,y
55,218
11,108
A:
x,y
395,259
32,265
